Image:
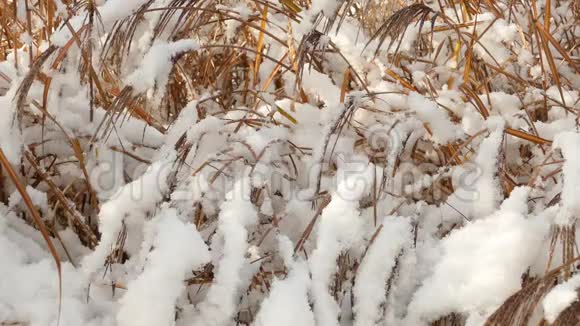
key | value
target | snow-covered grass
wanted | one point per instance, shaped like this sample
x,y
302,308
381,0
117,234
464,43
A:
x,y
292,162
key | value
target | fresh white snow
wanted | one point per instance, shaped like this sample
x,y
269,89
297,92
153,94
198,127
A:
x,y
367,190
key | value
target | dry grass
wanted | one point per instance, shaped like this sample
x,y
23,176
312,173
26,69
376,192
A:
x,y
570,316
230,69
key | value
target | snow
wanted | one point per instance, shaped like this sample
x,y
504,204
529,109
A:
x,y
311,199
134,200
29,284
443,130
476,273
287,303
151,297
38,198
156,65
487,184
560,297
500,31
569,143
376,268
340,227
10,134
236,214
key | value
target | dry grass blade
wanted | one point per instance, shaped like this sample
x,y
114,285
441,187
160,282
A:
x,y
26,83
310,227
551,62
13,323
79,154
396,25
519,308
291,6
547,36
450,320
401,80
286,115
37,220
474,98
77,218
345,83
528,137
570,316
260,45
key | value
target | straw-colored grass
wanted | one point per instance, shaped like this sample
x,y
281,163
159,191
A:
x,y
224,75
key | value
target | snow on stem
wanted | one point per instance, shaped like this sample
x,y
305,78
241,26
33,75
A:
x,y
569,143
133,201
340,227
177,249
236,215
560,297
156,65
481,263
287,304
376,268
